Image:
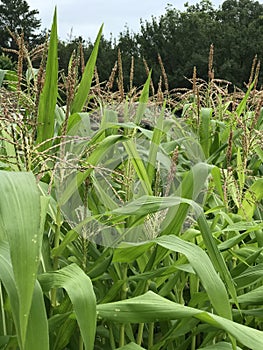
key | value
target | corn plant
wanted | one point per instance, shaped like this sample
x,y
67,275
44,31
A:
x,y
144,232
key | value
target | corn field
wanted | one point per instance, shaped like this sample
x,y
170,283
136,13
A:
x,y
128,220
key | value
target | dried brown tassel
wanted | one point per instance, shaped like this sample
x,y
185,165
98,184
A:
x,y
210,63
257,113
131,73
159,92
165,78
70,89
20,61
256,76
251,77
110,81
97,79
148,72
172,171
120,76
229,149
194,87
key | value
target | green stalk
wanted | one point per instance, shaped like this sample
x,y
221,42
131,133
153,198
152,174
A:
x,y
55,259
150,335
123,297
140,333
259,237
193,345
2,310
122,336
112,340
81,344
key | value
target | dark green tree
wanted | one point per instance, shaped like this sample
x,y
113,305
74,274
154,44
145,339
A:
x,y
182,39
240,39
129,49
17,17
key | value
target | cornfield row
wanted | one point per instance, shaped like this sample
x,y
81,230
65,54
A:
x,y
129,220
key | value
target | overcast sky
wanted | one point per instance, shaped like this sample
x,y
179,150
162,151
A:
x,y
84,17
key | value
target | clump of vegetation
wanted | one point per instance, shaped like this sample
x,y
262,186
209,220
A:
x,y
128,220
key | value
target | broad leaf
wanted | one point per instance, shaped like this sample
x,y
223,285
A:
x,y
21,223
152,308
80,290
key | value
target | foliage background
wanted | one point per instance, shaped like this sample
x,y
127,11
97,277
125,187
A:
x,y
181,38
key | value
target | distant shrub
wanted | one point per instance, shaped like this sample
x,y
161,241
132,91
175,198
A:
x,y
6,62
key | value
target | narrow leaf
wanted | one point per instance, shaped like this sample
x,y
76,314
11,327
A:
x,y
143,100
138,166
253,195
48,97
85,83
205,130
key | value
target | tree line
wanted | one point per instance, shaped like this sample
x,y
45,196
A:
x,y
175,42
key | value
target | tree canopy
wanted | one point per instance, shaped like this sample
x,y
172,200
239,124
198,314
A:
x,y
182,40
179,39
17,16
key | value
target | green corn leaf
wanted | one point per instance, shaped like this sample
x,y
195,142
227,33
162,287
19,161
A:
x,y
8,280
70,237
48,97
100,266
143,100
240,170
10,78
10,150
250,276
215,172
231,242
98,152
85,83
104,196
220,346
138,166
253,195
259,152
205,270
80,291
150,204
242,105
21,222
153,308
191,186
129,252
215,256
244,264
196,257
131,346
37,322
254,297
154,146
205,130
